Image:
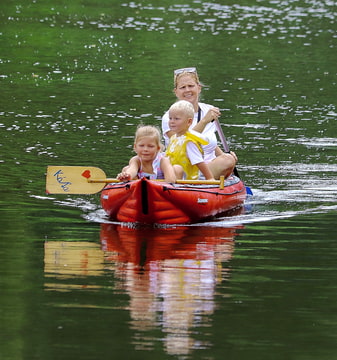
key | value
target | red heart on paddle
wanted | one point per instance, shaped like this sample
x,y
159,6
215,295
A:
x,y
86,174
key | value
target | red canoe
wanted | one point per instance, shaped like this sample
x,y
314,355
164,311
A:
x,y
155,202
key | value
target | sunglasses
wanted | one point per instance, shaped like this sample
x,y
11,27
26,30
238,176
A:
x,y
189,70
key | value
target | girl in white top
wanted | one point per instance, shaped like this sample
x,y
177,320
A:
x,y
150,161
187,87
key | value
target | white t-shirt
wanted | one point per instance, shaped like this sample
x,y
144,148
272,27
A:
x,y
193,153
209,132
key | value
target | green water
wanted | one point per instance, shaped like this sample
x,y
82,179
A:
x,y
76,79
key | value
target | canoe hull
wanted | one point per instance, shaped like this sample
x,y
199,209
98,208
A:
x,y
155,202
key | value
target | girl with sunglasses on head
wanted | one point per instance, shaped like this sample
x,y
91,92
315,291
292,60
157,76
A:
x,y
188,87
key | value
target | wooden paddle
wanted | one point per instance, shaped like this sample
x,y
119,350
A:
x,y
226,148
90,180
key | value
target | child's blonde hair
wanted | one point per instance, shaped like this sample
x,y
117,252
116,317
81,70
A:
x,y
183,106
151,131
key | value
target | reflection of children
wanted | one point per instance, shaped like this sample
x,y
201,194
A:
x,y
184,149
149,162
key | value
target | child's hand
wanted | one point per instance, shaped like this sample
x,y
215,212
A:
x,y
123,176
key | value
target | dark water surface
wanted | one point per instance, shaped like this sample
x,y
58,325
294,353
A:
x,y
76,78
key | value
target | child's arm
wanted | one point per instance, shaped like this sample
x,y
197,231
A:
x,y
168,170
130,172
203,167
194,153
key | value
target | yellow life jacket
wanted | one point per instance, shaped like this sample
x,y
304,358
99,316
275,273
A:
x,y
176,151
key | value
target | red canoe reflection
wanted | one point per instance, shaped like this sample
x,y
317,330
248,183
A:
x,y
140,247
171,277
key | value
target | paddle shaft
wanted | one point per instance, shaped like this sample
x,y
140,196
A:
x,y
224,143
226,148
192,182
90,180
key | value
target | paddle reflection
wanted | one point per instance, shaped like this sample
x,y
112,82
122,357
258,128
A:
x,y
170,276
64,260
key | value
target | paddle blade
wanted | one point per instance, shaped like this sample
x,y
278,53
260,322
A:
x,y
249,191
73,180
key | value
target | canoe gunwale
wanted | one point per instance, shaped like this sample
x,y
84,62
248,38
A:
x,y
203,190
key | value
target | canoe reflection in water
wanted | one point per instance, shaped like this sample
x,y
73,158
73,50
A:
x,y
169,274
